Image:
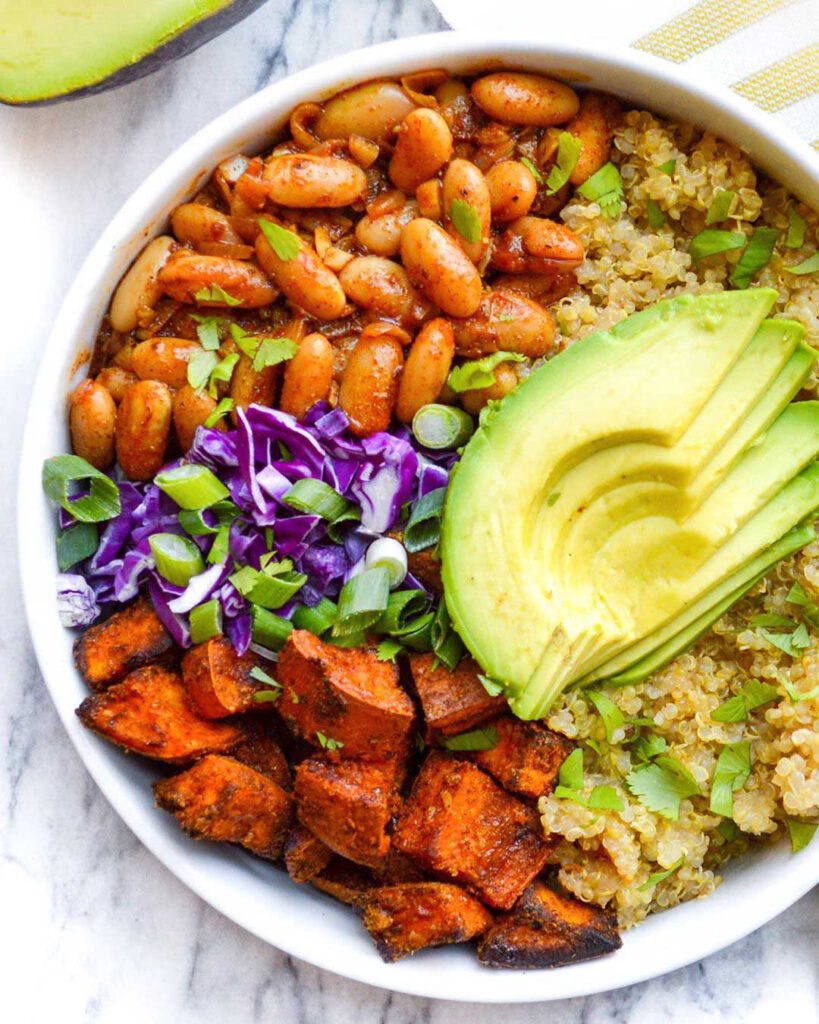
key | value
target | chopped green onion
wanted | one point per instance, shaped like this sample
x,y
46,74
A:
x,y
568,153
720,206
418,634
270,589
712,241
731,773
362,602
222,409
317,499
391,555
613,717
669,166
477,739
222,373
316,619
442,426
193,521
800,833
571,770
660,876
465,220
334,529
727,828
328,742
273,688
76,543
424,525
192,486
216,294
797,229
757,253
403,607
220,548
530,167
446,644
178,559
358,639
102,501
208,330
480,373
200,366
605,188
285,244
206,621
808,266
268,629
656,217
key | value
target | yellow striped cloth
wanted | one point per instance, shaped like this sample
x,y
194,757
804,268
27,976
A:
x,y
767,50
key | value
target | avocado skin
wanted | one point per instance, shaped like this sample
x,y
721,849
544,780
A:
x,y
181,45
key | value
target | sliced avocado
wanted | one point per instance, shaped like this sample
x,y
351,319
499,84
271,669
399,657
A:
x,y
651,654
543,586
52,50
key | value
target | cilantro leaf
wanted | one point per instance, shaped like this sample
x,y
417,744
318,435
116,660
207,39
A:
x,y
660,876
476,739
771,619
808,266
209,330
800,833
728,829
571,771
669,166
284,243
753,695
568,153
466,220
222,409
328,743
217,294
711,242
646,748
605,188
797,229
200,366
601,798
222,372
272,351
530,167
388,649
731,773
656,217
662,785
720,206
797,695
613,717
756,255
480,373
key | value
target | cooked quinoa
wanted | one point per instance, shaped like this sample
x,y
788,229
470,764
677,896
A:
x,y
607,856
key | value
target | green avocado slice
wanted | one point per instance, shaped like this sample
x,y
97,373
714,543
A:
x,y
56,49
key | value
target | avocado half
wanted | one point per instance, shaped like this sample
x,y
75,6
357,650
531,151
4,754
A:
x,y
629,491
52,50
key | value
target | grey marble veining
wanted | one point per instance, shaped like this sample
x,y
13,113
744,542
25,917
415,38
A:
x,y
92,928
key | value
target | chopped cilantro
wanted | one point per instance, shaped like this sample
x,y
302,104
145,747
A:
x,y
796,695
222,409
662,785
222,372
200,366
605,188
568,153
720,206
728,829
797,229
800,833
285,244
731,773
660,876
388,649
756,255
530,167
753,695
571,771
808,266
790,643
476,739
601,798
711,242
613,717
669,166
216,294
646,748
771,619
209,330
274,687
466,220
656,217
263,351
480,373
328,743
265,696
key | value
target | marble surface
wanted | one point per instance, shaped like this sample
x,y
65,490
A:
x,y
93,929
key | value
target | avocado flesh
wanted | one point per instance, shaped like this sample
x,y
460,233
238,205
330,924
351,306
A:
x,y
645,383
50,49
694,625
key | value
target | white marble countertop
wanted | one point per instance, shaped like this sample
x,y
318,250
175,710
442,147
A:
x,y
92,928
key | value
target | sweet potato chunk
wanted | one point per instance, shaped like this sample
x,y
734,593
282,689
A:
x,y
218,680
405,918
260,751
547,929
527,757
346,882
149,713
305,854
348,805
452,702
223,800
457,823
347,695
106,653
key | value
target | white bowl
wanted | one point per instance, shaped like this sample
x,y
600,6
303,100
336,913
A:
x,y
249,891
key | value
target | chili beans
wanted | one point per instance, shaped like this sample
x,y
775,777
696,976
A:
x,y
92,421
143,429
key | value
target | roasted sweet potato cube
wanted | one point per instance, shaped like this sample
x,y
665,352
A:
x,y
106,653
346,882
348,805
452,702
305,854
223,800
459,824
548,929
424,565
259,751
218,679
346,695
397,868
150,713
527,757
405,918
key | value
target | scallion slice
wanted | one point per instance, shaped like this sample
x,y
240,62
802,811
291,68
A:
x,y
193,520
317,619
102,501
480,373
177,558
797,229
808,266
712,241
757,252
720,206
403,608
206,621
391,555
418,634
220,548
362,602
76,543
316,498
656,217
446,644
270,590
268,629
192,486
222,409
438,426
222,372
424,525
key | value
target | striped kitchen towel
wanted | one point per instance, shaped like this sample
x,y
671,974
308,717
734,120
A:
x,y
767,50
